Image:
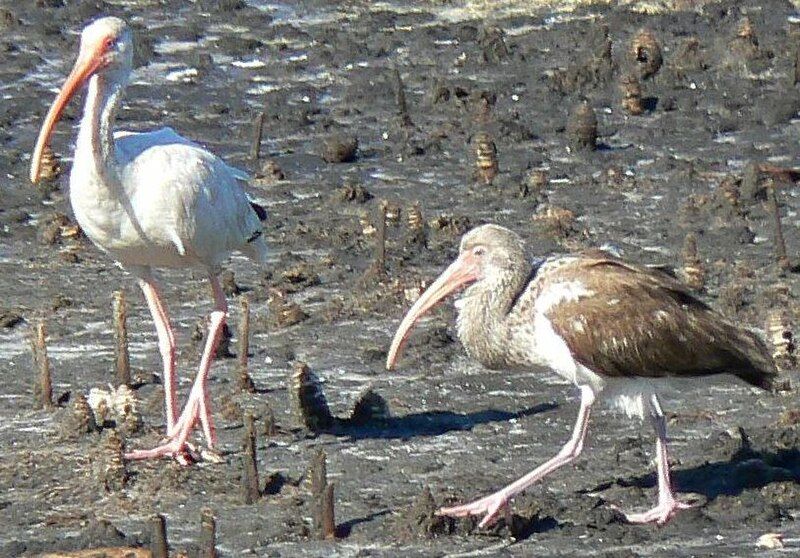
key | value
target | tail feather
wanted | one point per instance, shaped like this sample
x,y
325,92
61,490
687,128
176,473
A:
x,y
758,367
764,380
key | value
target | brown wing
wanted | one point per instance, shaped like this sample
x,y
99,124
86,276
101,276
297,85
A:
x,y
641,322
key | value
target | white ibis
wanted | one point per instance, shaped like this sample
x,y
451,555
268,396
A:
x,y
152,200
608,326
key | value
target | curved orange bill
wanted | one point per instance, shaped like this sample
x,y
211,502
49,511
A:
x,y
461,272
87,64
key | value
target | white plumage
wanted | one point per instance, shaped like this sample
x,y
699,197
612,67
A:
x,y
152,200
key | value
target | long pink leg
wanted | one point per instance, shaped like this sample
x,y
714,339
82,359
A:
x,y
166,344
198,406
667,505
493,504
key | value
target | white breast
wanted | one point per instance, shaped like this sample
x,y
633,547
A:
x,y
172,204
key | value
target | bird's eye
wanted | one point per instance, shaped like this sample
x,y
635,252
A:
x,y
109,42
479,251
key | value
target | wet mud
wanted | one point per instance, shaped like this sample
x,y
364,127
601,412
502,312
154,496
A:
x,y
376,134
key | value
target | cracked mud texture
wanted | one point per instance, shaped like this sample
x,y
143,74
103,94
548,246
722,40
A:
x,y
336,145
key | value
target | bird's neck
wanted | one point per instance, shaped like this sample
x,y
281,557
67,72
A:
x,y
95,146
483,315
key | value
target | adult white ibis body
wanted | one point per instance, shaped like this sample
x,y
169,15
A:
x,y
152,200
608,326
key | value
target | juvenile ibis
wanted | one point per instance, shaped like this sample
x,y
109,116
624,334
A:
x,y
152,200
612,328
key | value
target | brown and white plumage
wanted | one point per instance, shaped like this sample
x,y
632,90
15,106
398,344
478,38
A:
x,y
636,321
610,327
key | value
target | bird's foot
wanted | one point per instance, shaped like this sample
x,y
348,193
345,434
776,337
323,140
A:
x,y
186,455
183,452
660,514
492,506
177,442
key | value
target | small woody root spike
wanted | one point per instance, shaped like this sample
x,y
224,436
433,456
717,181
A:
x,y
380,239
243,381
780,244
158,537
631,93
121,354
250,486
208,535
109,463
43,388
582,127
416,227
327,513
309,399
781,337
645,53
400,97
487,165
694,272
414,217
322,498
258,132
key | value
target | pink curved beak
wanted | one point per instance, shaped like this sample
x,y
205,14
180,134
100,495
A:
x,y
460,273
89,60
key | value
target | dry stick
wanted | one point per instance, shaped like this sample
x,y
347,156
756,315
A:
x,y
122,357
400,97
796,65
208,535
780,244
319,483
258,129
328,518
158,538
249,469
380,240
244,381
43,389
319,472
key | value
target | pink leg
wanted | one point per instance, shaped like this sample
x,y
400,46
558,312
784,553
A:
x,y
166,344
493,504
667,505
198,407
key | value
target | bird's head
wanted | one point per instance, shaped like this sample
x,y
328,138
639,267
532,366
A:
x,y
491,251
487,253
106,49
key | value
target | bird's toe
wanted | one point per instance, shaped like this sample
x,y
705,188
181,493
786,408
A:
x,y
660,514
490,507
183,452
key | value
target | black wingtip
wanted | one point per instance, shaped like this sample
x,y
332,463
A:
x,y
260,211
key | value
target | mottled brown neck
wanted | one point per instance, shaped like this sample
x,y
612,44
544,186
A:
x,y
484,310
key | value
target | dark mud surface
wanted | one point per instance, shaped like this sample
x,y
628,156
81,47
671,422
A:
x,y
724,100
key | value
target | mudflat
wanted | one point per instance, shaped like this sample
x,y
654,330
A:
x,y
440,116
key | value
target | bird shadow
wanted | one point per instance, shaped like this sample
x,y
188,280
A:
x,y
344,529
747,468
429,423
